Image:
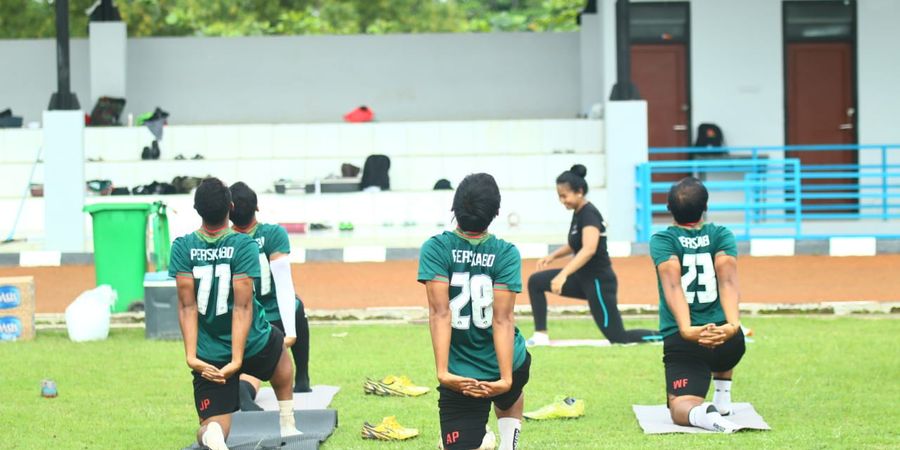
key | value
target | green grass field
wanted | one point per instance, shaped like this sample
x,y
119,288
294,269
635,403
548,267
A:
x,y
819,382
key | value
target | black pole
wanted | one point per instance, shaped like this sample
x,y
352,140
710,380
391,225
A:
x,y
63,98
624,89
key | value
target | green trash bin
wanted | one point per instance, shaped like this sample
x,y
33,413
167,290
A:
x,y
120,249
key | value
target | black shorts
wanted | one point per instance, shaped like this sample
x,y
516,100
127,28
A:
x,y
689,366
213,399
463,419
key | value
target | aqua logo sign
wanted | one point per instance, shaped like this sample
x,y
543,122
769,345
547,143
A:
x,y
10,328
10,297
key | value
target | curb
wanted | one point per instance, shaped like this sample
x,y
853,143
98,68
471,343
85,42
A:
x,y
836,246
416,314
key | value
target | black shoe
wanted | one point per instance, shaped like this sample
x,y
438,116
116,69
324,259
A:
x,y
301,384
158,113
154,150
145,154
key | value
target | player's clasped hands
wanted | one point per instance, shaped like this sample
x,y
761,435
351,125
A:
x,y
230,369
488,389
712,335
211,372
472,387
456,382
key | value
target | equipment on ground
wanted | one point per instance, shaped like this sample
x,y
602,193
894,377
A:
x,y
562,408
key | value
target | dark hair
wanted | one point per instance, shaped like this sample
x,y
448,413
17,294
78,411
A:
x,y
574,177
244,204
212,200
476,202
687,200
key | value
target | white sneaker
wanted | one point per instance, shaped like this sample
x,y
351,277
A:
x,y
724,425
490,440
724,409
290,431
214,437
288,426
538,339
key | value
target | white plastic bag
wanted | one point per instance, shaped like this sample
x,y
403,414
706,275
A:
x,y
87,318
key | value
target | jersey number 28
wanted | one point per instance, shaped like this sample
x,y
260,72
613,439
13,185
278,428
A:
x,y
706,278
479,289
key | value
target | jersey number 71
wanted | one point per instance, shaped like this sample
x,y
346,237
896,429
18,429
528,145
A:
x,y
206,274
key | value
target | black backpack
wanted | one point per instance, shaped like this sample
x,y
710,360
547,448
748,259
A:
x,y
709,135
375,172
443,185
107,111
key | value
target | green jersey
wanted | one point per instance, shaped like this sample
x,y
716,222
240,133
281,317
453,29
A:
x,y
271,239
696,249
474,266
213,261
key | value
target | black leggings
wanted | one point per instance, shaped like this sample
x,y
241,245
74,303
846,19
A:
x,y
600,293
300,350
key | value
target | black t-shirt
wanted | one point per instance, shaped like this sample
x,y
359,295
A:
x,y
589,216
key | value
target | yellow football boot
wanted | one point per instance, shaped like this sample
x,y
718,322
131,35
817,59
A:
x,y
402,386
561,408
388,430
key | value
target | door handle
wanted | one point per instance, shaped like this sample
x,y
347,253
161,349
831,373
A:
x,y
679,128
845,126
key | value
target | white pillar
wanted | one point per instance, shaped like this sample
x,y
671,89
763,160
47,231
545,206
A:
x,y
108,42
63,155
591,49
625,141
607,11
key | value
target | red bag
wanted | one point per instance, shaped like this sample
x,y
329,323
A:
x,y
361,114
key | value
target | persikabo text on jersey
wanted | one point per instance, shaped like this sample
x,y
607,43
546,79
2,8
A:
x,y
474,259
211,254
694,242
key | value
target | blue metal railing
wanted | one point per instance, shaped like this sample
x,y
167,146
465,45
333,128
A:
x,y
758,192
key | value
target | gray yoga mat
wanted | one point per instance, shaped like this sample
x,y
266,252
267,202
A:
x,y
260,430
580,343
320,398
656,419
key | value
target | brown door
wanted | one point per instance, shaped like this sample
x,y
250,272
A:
x,y
660,73
820,110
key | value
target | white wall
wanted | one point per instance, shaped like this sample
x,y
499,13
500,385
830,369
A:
x,y
736,69
878,59
319,78
878,66
28,75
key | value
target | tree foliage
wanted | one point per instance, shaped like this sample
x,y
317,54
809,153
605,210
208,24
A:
x,y
35,18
